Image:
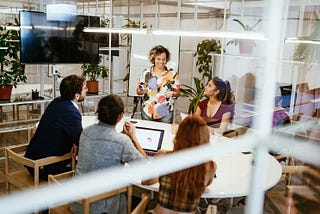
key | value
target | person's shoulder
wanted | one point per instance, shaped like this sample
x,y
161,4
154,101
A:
x,y
203,102
227,106
147,70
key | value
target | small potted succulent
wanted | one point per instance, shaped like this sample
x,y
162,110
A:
x,y
92,72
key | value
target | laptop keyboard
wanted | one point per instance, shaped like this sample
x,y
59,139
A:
x,y
150,153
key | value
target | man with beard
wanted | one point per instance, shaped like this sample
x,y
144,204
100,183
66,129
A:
x,y
60,127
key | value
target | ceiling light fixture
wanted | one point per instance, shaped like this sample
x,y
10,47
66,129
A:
x,y
214,34
114,30
297,40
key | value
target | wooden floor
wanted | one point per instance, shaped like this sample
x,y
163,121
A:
x,y
223,205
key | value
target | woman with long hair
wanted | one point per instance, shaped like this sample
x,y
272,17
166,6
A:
x,y
180,192
218,108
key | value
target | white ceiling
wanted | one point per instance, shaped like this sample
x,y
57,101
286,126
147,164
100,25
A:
x,y
32,4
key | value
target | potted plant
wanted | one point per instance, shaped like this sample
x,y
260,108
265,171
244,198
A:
x,y
205,63
245,46
92,72
308,52
11,70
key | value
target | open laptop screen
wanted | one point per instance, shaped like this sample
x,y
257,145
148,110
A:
x,y
149,139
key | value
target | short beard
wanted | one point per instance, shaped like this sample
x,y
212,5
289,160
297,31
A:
x,y
81,98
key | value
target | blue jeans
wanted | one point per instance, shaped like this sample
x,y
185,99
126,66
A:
x,y
166,119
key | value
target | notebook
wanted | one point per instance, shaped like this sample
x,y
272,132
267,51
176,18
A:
x,y
150,139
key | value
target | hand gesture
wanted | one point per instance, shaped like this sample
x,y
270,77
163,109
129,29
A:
x,y
129,129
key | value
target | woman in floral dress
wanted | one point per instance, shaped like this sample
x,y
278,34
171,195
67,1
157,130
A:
x,y
159,86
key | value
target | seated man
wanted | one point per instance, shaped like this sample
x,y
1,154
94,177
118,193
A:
x,y
60,127
101,146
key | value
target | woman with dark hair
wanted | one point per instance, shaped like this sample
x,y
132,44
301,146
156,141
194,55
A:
x,y
180,192
218,108
101,146
159,85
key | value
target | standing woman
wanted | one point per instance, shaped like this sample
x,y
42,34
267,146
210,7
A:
x,y
180,192
218,108
159,86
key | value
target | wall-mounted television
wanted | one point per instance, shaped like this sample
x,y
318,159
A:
x,y
55,42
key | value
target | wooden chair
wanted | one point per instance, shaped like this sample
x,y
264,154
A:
x,y
211,209
17,175
308,190
56,179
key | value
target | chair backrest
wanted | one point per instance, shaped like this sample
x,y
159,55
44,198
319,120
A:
x,y
211,209
21,178
289,170
140,208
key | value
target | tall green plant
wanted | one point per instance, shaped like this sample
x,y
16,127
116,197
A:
x,y
205,64
11,70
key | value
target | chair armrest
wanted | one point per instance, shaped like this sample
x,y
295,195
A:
x,y
53,159
18,157
293,169
59,177
18,148
141,207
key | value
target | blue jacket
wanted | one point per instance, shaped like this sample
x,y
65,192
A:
x,y
59,128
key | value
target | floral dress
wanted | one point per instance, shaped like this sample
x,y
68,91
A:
x,y
155,104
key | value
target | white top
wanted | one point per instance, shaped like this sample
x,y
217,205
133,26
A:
x,y
233,170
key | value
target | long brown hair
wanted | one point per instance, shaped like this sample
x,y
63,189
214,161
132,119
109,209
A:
x,y
192,131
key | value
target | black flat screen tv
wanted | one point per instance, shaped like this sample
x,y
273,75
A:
x,y
56,42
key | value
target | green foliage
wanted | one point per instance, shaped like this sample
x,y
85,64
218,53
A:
x,y
132,24
195,94
204,63
94,71
307,52
245,27
11,70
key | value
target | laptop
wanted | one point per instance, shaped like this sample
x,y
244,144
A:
x,y
150,139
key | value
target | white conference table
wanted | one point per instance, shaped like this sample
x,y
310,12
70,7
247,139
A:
x,y
167,137
233,170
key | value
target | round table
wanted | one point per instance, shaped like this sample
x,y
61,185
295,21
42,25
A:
x,y
233,170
